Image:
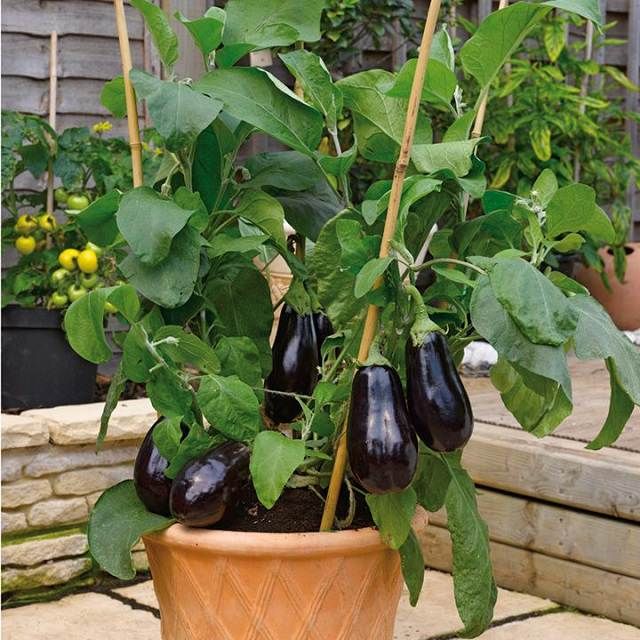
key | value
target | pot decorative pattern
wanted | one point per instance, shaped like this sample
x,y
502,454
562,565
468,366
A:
x,y
222,585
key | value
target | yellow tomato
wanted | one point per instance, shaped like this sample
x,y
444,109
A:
x,y
47,222
25,245
26,224
68,259
88,261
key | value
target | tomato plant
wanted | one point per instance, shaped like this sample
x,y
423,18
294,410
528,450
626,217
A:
x,y
199,312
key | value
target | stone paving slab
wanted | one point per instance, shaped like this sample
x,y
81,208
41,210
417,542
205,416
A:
x,y
142,593
563,626
79,617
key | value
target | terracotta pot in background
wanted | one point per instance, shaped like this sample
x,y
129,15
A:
x,y
623,301
228,585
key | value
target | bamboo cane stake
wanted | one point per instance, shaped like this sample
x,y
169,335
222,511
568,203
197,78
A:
x,y
132,110
371,321
53,106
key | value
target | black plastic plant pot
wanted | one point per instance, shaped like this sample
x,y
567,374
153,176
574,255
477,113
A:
x,y
39,368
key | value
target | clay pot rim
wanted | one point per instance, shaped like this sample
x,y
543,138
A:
x,y
246,543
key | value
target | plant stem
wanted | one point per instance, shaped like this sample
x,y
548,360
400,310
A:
x,y
426,265
344,179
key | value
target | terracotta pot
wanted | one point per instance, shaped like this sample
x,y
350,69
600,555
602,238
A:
x,y
623,301
226,585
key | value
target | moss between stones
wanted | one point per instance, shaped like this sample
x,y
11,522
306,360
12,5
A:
x,y
42,534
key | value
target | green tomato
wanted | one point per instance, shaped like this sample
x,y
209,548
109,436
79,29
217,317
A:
x,y
77,202
58,300
61,195
88,280
59,276
75,292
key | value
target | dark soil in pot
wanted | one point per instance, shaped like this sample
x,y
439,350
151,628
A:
x,y
297,511
39,368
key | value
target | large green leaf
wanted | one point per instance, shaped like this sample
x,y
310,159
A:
x,y
186,348
149,223
316,82
573,208
597,337
492,321
453,156
272,23
255,96
589,9
412,563
496,39
98,220
207,30
167,394
392,513
265,212
535,304
474,586
113,98
230,406
439,82
238,355
369,274
115,526
207,167
432,480
169,283
274,458
178,112
163,36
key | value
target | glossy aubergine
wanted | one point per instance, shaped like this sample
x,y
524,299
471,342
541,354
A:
x,y
382,445
151,485
324,329
295,365
205,487
438,404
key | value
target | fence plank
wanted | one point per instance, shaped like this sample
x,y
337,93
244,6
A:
x,y
78,56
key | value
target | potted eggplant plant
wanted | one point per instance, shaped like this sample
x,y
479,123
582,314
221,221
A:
x,y
245,461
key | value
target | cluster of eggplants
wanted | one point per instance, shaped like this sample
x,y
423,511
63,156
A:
x,y
381,437
202,490
295,360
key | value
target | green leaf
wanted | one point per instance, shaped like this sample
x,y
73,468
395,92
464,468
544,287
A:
x,y
432,480
116,523
597,337
222,243
554,37
272,23
574,208
239,356
570,243
274,458
494,324
167,393
452,156
589,9
497,38
459,130
282,170
197,442
178,112
207,166
265,212
163,36
149,223
567,284
255,96
439,82
474,587
341,164
116,389
136,359
98,220
412,564
169,283
368,275
167,436
620,410
230,406
206,31
392,513
186,348
534,303
112,97
316,82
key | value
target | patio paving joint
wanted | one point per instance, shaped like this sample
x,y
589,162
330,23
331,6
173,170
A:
x,y
134,604
499,623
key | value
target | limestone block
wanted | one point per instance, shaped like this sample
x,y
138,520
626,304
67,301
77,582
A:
x,y
56,459
140,561
13,462
12,522
54,512
23,431
93,498
37,551
79,424
84,481
24,492
44,575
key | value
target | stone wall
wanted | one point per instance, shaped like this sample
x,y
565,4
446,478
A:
x,y
51,477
